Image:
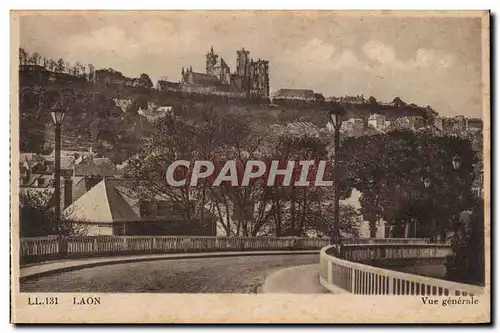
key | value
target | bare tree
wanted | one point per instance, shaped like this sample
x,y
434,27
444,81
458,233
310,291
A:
x,y
52,65
60,67
23,56
68,67
35,58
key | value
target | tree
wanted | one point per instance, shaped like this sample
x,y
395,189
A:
x,y
77,68
372,101
398,102
145,81
69,68
91,76
32,120
37,217
52,65
82,70
23,56
389,169
35,58
60,68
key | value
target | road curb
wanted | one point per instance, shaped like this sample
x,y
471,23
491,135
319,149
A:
x,y
74,265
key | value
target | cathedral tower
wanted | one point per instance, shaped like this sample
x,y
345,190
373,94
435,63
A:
x,y
242,62
211,63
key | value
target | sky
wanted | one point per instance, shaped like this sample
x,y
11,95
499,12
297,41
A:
x,y
432,61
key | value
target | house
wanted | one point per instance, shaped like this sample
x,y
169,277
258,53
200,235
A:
x,y
295,94
112,207
416,122
97,166
301,129
411,123
377,121
163,85
446,125
353,127
123,104
474,125
459,124
402,123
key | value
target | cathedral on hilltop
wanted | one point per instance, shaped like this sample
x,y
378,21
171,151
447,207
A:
x,y
250,79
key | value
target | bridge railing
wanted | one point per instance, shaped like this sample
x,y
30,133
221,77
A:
x,y
385,241
357,278
367,252
41,248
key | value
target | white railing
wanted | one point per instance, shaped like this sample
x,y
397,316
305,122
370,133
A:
x,y
91,245
95,245
365,252
385,241
357,278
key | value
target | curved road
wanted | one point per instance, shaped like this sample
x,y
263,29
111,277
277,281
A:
x,y
244,274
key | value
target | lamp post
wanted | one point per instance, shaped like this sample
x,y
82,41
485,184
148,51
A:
x,y
456,162
427,184
58,113
336,115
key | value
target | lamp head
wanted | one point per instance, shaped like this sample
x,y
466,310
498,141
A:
x,y
456,161
58,112
337,114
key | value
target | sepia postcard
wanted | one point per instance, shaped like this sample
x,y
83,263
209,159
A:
x,y
250,167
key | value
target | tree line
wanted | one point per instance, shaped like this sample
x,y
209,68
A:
x,y
56,65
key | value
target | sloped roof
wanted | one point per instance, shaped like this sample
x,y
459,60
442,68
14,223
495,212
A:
x,y
99,166
204,79
168,84
305,128
32,158
103,203
67,161
32,181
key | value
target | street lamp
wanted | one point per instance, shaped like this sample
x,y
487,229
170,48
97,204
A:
x,y
427,182
58,112
336,115
456,161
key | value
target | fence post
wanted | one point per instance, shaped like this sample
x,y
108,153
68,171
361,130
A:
x,y
63,246
186,244
353,280
94,245
153,246
391,287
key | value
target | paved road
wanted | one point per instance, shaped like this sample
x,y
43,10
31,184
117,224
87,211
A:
x,y
209,275
302,279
